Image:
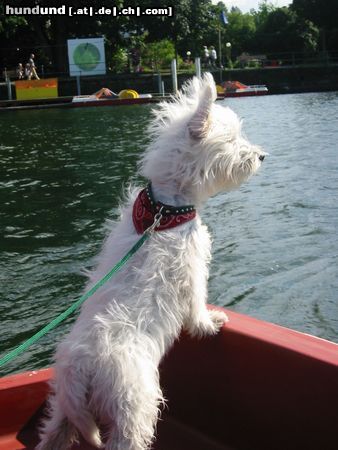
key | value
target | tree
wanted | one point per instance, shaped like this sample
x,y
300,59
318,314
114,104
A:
x,y
195,23
241,31
10,28
158,55
202,27
282,30
323,13
175,28
46,35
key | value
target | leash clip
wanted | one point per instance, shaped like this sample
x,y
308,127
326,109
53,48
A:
x,y
157,219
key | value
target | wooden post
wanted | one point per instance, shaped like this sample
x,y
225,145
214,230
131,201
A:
x,y
220,54
78,84
174,75
159,83
198,67
9,88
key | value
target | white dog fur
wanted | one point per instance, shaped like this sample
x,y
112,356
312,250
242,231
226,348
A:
x,y
106,369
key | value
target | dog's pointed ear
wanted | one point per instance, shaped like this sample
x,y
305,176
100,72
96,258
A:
x,y
199,123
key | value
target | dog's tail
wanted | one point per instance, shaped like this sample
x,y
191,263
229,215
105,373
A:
x,y
72,394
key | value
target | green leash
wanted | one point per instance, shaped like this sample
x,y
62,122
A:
x,y
55,322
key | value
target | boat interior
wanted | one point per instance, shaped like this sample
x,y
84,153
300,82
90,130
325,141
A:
x,y
253,386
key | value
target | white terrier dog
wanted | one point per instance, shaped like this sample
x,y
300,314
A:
x,y
106,370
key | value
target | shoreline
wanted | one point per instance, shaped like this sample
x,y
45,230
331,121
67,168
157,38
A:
x,y
66,101
279,80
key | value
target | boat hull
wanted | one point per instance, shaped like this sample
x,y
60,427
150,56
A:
x,y
253,386
114,102
66,103
237,89
244,94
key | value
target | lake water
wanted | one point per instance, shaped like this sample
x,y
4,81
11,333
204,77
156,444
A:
x,y
275,248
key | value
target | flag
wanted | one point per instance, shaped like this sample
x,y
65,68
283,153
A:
x,y
224,18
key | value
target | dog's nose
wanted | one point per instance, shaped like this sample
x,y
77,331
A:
x,y
261,157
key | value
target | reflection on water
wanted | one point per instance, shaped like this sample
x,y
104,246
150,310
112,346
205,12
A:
x,y
275,240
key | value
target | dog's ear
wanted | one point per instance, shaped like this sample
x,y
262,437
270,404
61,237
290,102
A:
x,y
200,122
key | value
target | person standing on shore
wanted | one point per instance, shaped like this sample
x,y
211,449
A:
x,y
206,56
213,56
31,63
28,74
19,72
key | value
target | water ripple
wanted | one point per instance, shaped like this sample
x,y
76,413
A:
x,y
275,248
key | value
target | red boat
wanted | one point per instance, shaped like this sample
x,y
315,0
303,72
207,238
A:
x,y
95,100
254,386
237,89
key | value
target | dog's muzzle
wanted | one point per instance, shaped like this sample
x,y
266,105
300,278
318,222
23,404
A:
x,y
261,157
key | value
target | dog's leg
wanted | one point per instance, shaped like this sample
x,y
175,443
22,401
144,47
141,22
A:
x,y
72,392
68,411
135,424
137,408
200,321
56,433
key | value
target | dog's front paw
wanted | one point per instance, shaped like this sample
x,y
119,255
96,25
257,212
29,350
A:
x,y
211,323
218,318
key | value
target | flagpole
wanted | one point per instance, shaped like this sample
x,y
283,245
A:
x,y
220,52
224,21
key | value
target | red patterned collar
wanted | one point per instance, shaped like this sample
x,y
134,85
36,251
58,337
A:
x,y
145,208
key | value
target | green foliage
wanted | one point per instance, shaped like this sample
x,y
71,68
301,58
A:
x,y
241,32
119,61
203,29
323,13
10,25
282,30
195,23
158,55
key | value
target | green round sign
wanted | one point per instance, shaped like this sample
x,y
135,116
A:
x,y
86,56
